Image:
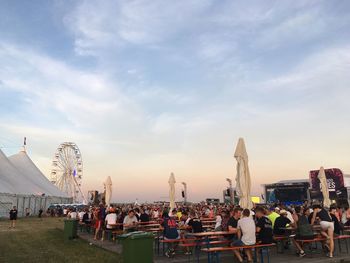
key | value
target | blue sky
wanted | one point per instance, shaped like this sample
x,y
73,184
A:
x,y
146,88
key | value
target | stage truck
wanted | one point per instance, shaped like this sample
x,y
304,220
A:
x,y
299,191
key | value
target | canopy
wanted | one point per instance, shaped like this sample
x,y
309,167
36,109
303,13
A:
x,y
324,187
108,187
172,191
25,176
16,182
243,183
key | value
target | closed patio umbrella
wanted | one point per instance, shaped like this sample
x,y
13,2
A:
x,y
172,191
108,186
324,187
243,183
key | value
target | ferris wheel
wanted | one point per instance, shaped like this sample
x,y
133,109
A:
x,y
67,170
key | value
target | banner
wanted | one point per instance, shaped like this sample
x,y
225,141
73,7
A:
x,y
334,176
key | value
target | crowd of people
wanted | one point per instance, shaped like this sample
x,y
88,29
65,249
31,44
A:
x,y
258,225
247,227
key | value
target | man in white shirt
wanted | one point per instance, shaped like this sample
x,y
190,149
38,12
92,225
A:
x,y
81,215
72,214
246,232
130,221
111,219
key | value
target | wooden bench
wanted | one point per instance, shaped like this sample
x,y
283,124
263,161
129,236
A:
x,y
279,239
323,239
174,241
215,251
342,237
200,244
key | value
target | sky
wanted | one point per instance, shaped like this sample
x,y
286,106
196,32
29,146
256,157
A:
x,y
146,88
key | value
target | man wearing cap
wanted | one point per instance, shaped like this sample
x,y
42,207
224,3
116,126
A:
x,y
281,223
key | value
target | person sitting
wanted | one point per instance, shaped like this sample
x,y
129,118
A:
x,y
218,220
233,221
144,217
170,232
304,229
263,227
137,213
337,225
246,234
281,223
232,228
195,223
271,215
130,221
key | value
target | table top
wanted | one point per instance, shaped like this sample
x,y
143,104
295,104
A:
x,y
211,233
149,225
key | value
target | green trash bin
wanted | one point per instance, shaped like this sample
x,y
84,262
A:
x,y
70,229
137,247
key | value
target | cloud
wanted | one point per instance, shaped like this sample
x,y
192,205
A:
x,y
82,97
133,22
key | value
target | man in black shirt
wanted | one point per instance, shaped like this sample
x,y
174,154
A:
x,y
13,217
195,223
232,222
232,227
280,223
337,226
144,217
263,227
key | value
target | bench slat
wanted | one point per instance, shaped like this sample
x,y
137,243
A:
x,y
218,249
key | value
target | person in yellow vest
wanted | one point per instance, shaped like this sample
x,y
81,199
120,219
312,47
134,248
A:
x,y
272,215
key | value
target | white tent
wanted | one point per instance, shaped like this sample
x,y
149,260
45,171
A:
x,y
18,182
23,185
31,172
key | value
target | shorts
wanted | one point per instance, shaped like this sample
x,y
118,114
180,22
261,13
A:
x,y
98,224
237,243
325,225
165,238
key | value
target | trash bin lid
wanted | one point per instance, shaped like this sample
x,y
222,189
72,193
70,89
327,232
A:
x,y
136,235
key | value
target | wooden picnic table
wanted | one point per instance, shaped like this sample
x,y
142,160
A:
x,y
149,225
207,219
206,235
211,233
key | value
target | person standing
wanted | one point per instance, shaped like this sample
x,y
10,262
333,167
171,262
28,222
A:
x,y
40,212
13,217
327,226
